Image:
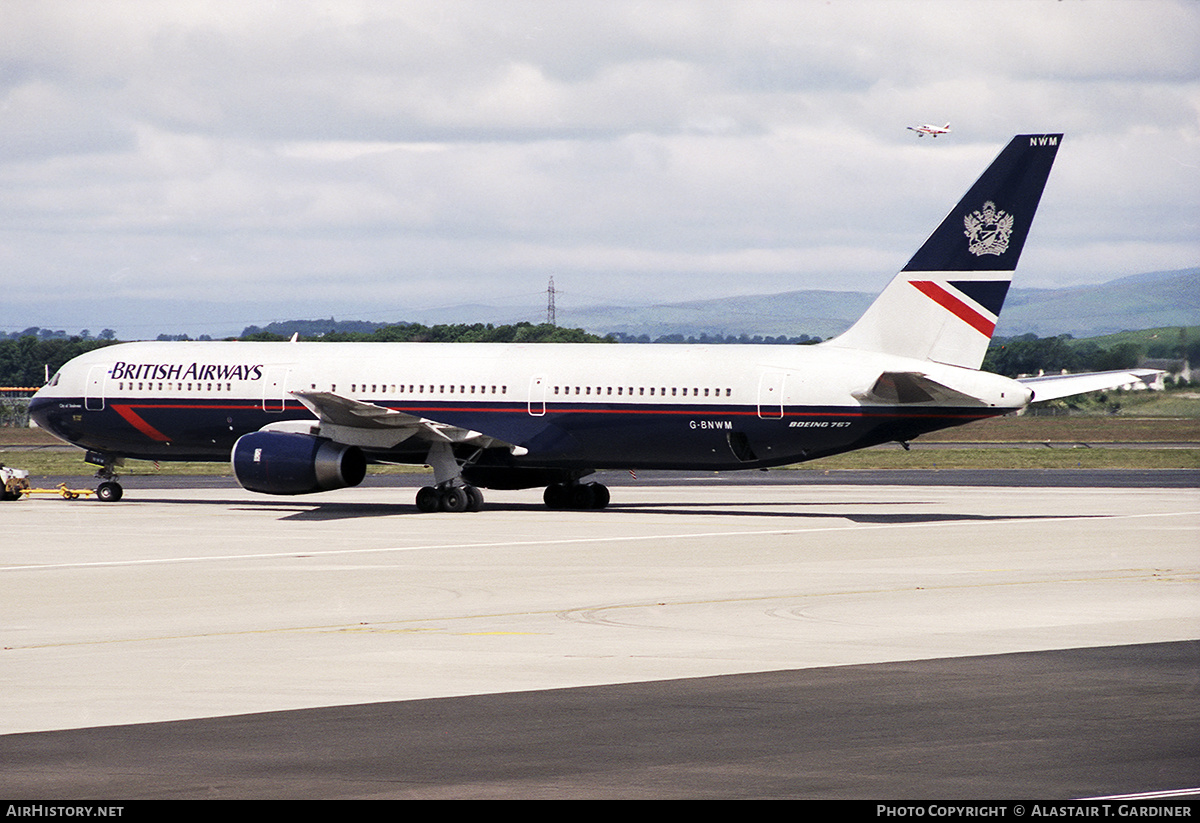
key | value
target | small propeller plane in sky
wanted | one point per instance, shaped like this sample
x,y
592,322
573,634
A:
x,y
931,130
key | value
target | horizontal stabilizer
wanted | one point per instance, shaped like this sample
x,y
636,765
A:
x,y
1052,387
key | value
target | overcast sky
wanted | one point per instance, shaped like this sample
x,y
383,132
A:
x,y
255,161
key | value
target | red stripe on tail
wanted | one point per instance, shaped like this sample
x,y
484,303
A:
x,y
955,306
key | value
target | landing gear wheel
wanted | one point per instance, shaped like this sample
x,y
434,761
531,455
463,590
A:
x,y
583,496
600,496
428,499
557,496
109,491
576,496
474,499
454,499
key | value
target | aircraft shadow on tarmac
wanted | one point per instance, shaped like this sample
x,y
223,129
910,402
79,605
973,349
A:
x,y
852,511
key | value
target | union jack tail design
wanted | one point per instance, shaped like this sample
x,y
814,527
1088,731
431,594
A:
x,y
943,306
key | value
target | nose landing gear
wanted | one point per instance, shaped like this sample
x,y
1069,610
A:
x,y
109,490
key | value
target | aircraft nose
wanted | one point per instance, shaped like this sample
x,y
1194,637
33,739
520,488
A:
x,y
38,411
48,413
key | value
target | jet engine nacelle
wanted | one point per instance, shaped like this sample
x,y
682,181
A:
x,y
287,463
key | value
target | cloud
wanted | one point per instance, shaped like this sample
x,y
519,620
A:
x,y
402,153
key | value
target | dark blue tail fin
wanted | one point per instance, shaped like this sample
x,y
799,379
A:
x,y
943,306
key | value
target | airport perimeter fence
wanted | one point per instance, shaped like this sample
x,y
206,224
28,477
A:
x,y
14,412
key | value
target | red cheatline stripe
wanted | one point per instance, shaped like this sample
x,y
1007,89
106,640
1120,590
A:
x,y
955,306
141,425
558,407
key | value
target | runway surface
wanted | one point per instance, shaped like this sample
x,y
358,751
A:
x,y
709,639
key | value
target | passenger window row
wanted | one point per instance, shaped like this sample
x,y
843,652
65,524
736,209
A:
x,y
446,388
640,391
170,386
562,391
420,388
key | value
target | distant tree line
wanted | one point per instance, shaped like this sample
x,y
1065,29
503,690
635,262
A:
x,y
768,340
337,332
313,329
349,330
25,361
55,334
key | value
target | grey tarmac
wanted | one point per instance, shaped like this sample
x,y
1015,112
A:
x,y
704,639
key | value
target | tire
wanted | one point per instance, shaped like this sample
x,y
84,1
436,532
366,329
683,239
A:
x,y
583,496
428,500
600,495
454,499
474,499
109,492
557,496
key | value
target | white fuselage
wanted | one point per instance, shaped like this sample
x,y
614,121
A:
x,y
672,406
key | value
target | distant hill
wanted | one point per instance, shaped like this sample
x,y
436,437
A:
x,y
1141,301
1152,300
1144,301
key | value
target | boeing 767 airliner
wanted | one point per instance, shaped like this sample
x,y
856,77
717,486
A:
x,y
307,417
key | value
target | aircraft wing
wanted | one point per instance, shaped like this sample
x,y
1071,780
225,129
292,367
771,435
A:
x,y
1052,387
370,426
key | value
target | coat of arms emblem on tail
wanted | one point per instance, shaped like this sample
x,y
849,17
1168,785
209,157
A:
x,y
988,230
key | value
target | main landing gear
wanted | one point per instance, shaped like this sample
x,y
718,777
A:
x,y
449,499
448,493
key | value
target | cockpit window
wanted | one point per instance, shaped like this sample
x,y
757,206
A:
x,y
54,379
